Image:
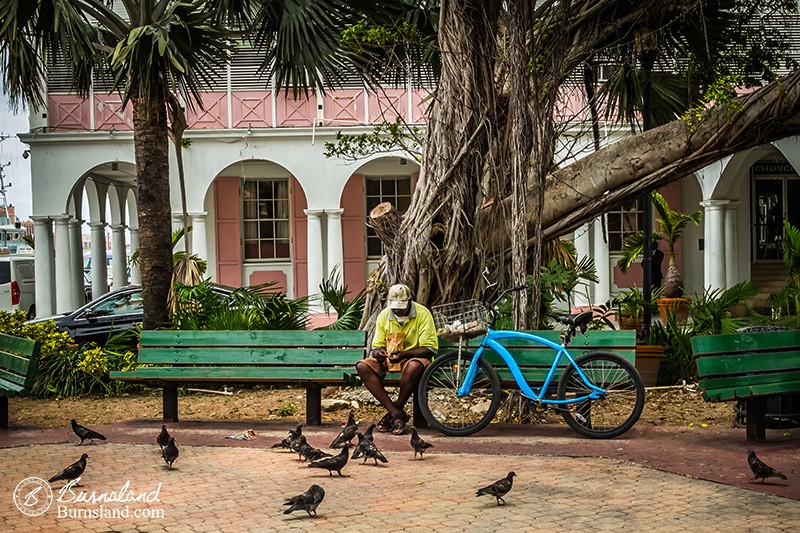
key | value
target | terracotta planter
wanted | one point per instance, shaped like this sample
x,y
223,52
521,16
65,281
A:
x,y
631,323
648,362
680,306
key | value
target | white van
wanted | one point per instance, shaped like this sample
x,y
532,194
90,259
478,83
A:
x,y
17,284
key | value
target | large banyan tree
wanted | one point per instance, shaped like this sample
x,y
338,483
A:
x,y
492,191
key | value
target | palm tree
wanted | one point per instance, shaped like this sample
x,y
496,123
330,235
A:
x,y
670,229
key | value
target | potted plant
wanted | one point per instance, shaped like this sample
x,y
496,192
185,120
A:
x,y
630,304
670,226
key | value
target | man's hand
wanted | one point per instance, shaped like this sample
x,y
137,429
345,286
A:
x,y
379,354
398,356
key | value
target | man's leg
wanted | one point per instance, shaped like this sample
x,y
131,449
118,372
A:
x,y
409,379
372,381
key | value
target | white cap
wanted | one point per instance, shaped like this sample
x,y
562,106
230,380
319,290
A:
x,y
398,297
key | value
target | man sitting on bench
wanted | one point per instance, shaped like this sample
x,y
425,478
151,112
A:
x,y
405,340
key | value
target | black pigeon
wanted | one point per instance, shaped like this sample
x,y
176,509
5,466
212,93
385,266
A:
x,y
371,451
310,453
287,442
163,437
347,434
418,444
170,452
368,432
358,451
85,433
499,488
298,444
307,501
760,468
334,463
73,471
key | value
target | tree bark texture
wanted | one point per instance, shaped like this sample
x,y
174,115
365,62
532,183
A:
x,y
153,198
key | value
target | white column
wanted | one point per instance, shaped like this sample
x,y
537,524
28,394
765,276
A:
x,y
602,290
315,268
63,264
199,240
43,255
177,223
731,245
335,250
99,269
76,268
714,244
136,276
119,256
582,248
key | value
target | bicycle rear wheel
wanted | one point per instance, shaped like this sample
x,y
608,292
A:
x,y
444,410
619,408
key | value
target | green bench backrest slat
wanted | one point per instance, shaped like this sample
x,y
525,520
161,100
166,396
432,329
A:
x,y
742,363
749,391
18,369
744,342
251,356
9,388
726,382
14,363
210,373
18,345
253,338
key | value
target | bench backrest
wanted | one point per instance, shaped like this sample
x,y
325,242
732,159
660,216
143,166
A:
x,y
275,348
748,364
535,359
18,361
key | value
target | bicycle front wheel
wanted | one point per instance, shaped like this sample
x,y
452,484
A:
x,y
439,402
617,410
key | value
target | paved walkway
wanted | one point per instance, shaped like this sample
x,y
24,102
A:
x,y
563,482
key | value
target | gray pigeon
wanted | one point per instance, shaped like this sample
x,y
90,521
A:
x,y
760,468
170,452
499,488
298,444
85,433
287,442
73,471
418,444
371,451
347,434
307,501
358,450
368,432
310,453
163,437
334,463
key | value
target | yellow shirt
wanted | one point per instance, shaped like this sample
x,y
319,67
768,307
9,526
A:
x,y
418,329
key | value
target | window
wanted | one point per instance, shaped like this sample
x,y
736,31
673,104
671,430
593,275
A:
x,y
265,209
623,221
393,189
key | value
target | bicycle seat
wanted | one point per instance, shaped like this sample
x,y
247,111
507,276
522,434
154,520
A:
x,y
578,320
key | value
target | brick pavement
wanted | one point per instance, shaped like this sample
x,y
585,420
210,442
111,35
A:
x,y
239,486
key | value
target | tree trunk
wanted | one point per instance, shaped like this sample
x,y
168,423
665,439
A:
x,y
153,199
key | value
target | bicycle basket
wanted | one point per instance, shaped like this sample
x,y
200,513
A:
x,y
465,319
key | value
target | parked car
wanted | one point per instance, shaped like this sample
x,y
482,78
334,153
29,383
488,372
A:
x,y
17,284
110,314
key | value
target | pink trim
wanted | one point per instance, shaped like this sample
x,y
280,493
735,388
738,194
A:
x,y
214,114
387,105
354,234
420,101
68,112
344,107
227,221
252,109
267,276
300,111
109,113
299,238
317,320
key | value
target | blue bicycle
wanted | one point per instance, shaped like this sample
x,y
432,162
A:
x,y
599,394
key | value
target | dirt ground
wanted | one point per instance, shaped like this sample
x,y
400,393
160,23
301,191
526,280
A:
x,y
663,407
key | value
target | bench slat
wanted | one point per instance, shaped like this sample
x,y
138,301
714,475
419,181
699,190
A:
x,y
744,342
18,345
252,356
726,382
253,338
14,362
235,373
745,392
742,363
10,389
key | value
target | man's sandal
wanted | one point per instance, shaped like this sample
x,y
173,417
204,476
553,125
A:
x,y
385,424
399,422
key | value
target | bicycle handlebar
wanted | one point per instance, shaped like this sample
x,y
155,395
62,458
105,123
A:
x,y
507,291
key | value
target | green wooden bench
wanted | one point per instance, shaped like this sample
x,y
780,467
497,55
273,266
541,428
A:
x,y
17,370
315,359
535,359
750,367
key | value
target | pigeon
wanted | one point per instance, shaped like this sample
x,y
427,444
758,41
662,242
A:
x,y
418,444
287,442
499,488
85,433
760,468
368,432
371,451
170,452
163,437
347,434
334,463
298,444
310,453
358,450
307,501
73,471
